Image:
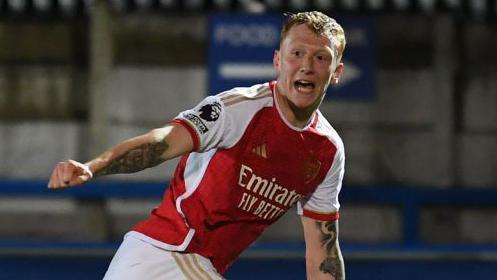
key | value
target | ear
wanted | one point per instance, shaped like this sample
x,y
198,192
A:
x,y
337,74
276,61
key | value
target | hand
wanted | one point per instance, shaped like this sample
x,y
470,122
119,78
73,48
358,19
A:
x,y
69,173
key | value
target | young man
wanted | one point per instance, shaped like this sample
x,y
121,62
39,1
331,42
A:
x,y
248,155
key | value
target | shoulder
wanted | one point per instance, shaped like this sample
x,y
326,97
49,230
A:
x,y
260,94
324,128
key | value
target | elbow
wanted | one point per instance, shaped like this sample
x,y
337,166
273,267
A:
x,y
157,135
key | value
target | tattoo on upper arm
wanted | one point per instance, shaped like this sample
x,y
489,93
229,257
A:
x,y
333,263
139,158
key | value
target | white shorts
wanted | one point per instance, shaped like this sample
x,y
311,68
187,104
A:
x,y
136,259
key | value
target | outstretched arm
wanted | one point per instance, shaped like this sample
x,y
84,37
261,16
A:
x,y
323,256
129,156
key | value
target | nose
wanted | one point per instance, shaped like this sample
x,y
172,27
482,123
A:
x,y
307,66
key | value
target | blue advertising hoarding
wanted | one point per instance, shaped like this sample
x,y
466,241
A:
x,y
241,49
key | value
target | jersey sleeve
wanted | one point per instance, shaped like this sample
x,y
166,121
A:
x,y
323,203
219,121
206,123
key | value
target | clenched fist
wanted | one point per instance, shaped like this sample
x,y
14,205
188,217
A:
x,y
69,173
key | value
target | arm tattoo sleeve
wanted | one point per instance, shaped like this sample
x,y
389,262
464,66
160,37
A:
x,y
139,158
333,263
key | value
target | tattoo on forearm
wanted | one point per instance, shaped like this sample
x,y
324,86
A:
x,y
333,263
139,158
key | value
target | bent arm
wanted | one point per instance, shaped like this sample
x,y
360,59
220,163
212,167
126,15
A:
x,y
129,156
323,256
143,151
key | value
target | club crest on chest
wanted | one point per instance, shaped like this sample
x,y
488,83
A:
x,y
311,167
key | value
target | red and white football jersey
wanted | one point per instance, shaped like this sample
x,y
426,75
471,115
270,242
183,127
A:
x,y
249,167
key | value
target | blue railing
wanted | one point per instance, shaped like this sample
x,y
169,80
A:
x,y
409,200
409,259
96,189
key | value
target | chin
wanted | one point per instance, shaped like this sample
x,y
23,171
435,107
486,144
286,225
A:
x,y
303,104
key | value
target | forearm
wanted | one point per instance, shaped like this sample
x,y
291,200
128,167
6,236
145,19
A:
x,y
323,255
132,155
330,264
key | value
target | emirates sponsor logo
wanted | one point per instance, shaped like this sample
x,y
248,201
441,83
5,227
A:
x,y
262,197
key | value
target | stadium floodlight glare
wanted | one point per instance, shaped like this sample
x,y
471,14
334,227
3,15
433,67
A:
x,y
401,5
273,4
478,7
298,5
167,3
222,4
375,4
252,6
68,7
17,6
118,5
143,4
453,4
193,4
88,4
350,4
324,4
427,6
42,5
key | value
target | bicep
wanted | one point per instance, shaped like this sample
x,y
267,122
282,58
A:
x,y
175,137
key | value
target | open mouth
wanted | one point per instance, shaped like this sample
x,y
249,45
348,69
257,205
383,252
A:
x,y
304,85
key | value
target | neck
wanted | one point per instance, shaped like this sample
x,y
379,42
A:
x,y
297,117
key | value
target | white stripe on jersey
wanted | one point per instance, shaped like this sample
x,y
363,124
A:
x,y
319,202
181,247
236,95
196,165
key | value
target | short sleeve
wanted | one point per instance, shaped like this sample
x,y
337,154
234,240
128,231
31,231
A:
x,y
323,203
206,123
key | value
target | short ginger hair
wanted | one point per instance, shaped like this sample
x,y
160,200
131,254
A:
x,y
320,24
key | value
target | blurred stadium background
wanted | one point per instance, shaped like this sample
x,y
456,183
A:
x,y
417,112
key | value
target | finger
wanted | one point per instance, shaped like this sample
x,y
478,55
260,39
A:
x,y
56,178
86,171
80,180
51,182
60,174
68,170
65,173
